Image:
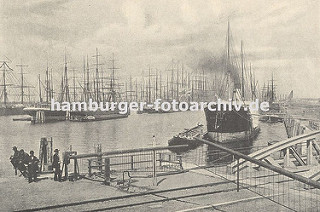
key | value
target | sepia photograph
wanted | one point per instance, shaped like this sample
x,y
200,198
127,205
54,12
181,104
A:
x,y
160,105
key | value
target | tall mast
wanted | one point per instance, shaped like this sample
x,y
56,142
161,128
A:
x,y
51,85
182,79
84,80
97,75
136,83
242,71
251,84
272,90
177,81
126,89
228,58
167,93
156,85
149,86
172,90
160,85
47,84
192,89
112,80
74,85
88,79
66,84
22,80
40,97
4,85
228,45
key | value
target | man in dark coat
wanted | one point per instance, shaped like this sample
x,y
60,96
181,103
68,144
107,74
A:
x,y
14,159
33,167
23,159
56,165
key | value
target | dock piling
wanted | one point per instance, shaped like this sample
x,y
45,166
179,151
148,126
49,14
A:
x,y
107,178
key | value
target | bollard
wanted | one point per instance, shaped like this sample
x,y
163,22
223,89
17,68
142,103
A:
x,y
107,171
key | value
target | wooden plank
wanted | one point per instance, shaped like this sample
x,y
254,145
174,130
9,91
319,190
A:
x,y
271,161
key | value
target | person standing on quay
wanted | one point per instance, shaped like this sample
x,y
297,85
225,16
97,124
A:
x,y
33,167
56,165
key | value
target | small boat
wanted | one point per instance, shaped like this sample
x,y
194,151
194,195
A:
x,y
187,137
88,116
270,118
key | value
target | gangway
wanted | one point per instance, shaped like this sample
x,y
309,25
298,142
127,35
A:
x,y
288,147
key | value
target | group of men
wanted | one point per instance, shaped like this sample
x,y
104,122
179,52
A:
x,y
28,164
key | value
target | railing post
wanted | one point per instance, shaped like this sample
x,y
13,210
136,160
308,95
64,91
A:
x,y
160,159
154,174
75,169
90,168
107,171
132,161
238,175
180,161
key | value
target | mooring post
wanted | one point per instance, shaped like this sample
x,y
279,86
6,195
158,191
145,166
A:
x,y
238,180
90,168
107,171
66,171
99,157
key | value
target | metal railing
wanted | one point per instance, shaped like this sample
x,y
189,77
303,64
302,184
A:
x,y
285,188
136,163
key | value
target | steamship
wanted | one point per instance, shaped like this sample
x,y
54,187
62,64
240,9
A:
x,y
235,125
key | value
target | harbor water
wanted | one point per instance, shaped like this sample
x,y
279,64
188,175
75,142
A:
x,y
136,131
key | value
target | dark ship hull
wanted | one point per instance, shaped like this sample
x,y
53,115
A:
x,y
271,118
45,115
87,116
231,126
11,111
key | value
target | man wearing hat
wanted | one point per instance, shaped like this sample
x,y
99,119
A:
x,y
33,167
56,165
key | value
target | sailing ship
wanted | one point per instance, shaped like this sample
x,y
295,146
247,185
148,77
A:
x,y
99,94
12,106
276,112
41,112
232,125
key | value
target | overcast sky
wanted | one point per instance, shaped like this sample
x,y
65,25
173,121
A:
x,y
279,36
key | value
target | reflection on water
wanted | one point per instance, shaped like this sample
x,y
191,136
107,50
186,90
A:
x,y
133,132
208,155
